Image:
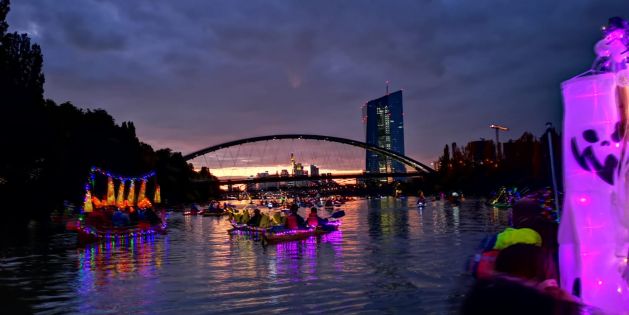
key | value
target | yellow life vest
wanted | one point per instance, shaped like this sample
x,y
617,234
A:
x,y
511,236
265,221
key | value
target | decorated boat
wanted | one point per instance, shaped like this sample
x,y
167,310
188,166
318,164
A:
x,y
297,235
278,234
89,234
118,216
218,212
505,198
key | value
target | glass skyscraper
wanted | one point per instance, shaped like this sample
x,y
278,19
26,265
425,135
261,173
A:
x,y
385,129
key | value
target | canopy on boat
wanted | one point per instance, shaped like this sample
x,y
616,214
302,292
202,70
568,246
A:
x,y
126,196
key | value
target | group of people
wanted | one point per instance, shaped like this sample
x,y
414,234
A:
x,y
117,217
517,269
290,221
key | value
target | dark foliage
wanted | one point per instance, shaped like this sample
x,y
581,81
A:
x,y
475,169
48,148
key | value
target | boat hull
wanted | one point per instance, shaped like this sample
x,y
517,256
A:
x,y
89,234
214,214
272,237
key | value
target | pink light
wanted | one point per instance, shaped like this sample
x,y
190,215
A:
x,y
589,228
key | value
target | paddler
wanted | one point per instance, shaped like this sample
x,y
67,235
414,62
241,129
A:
x,y
294,221
314,220
255,219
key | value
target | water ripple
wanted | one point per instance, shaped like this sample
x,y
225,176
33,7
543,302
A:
x,y
388,258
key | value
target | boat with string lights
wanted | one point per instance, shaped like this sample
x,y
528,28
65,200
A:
x,y
277,234
121,215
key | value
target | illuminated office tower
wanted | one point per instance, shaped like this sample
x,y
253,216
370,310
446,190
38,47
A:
x,y
385,129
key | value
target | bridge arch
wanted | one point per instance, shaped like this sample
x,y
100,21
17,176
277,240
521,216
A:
x,y
420,167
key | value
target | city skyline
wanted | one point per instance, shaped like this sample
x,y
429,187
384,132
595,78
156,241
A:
x,y
183,72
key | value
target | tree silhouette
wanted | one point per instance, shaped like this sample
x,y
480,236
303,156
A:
x,y
48,149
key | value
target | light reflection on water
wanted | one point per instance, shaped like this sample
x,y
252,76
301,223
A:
x,y
388,257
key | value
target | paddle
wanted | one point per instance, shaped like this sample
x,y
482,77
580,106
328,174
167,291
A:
x,y
338,214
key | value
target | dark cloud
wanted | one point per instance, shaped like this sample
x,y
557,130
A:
x,y
195,73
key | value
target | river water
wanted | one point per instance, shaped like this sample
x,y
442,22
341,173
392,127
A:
x,y
389,257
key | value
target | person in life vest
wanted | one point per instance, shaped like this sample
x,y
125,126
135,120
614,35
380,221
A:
x,y
314,220
277,219
294,221
265,221
255,219
529,228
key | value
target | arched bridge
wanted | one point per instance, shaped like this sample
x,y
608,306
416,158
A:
x,y
420,167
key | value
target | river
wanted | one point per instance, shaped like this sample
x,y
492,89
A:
x,y
389,257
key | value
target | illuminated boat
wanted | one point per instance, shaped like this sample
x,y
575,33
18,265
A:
x,y
279,234
110,218
238,227
214,214
297,235
194,210
90,234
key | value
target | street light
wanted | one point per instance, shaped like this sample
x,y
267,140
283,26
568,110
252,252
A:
x,y
498,129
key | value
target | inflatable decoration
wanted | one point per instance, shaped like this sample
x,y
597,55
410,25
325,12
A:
x,y
142,193
111,196
120,197
131,194
158,197
593,234
87,204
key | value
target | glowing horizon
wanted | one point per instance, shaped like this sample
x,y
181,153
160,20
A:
x,y
247,171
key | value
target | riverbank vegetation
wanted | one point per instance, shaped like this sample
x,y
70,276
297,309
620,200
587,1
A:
x,y
49,148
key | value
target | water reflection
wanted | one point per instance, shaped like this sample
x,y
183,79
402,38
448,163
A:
x,y
388,217
300,260
109,263
389,257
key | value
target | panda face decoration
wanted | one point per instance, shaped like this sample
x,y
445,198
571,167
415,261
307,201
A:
x,y
599,156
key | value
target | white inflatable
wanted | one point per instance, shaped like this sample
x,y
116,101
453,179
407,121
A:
x,y
594,229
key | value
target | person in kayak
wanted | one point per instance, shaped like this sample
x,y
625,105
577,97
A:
x,y
421,199
255,219
528,228
314,220
294,221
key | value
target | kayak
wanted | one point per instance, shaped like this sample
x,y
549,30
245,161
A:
x,y
500,205
272,236
215,214
246,228
297,235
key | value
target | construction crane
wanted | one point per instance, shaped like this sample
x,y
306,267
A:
x,y
498,129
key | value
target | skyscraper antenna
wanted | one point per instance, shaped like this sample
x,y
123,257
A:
x,y
387,83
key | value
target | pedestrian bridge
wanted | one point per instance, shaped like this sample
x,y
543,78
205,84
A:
x,y
419,167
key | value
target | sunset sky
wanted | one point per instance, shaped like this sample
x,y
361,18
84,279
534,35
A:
x,y
191,74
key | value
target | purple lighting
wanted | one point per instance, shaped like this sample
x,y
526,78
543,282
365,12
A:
x,y
594,235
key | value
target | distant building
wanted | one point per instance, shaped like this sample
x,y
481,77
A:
x,y
284,173
314,170
292,164
266,186
384,122
481,151
298,170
